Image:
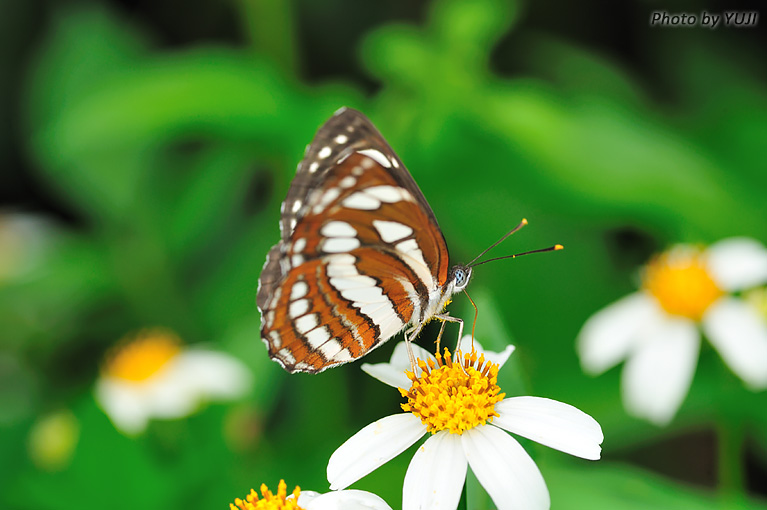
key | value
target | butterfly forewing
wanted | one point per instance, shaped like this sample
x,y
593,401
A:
x,y
360,253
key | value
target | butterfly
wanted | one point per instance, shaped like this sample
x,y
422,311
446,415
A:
x,y
361,256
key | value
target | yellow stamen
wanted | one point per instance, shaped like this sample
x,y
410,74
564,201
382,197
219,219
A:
x,y
454,396
681,283
138,357
269,501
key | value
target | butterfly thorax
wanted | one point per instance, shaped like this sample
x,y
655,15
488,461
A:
x,y
458,279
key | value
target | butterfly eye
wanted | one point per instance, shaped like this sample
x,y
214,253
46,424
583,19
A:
x,y
460,277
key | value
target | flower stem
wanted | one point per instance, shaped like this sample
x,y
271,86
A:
x,y
732,485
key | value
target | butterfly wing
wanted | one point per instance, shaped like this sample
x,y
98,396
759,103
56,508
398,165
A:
x,y
359,256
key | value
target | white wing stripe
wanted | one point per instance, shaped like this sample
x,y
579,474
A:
x,y
352,282
391,231
389,194
377,156
338,229
306,323
298,290
364,295
361,201
298,308
340,244
317,337
413,257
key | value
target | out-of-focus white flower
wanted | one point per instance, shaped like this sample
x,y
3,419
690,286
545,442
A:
x,y
308,500
656,329
151,375
459,404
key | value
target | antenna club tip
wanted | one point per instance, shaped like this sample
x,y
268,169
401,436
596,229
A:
x,y
558,247
524,221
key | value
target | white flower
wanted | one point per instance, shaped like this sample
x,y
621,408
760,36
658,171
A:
x,y
468,420
153,376
309,500
656,329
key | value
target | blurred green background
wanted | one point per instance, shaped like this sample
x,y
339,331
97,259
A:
x,y
156,140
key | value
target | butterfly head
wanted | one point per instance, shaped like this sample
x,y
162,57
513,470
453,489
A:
x,y
459,277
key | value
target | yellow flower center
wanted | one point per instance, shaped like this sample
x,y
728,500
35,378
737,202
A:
x,y
454,396
681,283
138,358
268,501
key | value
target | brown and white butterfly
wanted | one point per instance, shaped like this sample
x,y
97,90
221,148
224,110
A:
x,y
361,256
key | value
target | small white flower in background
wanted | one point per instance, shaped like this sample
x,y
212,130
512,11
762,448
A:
x,y
151,375
656,329
308,500
467,418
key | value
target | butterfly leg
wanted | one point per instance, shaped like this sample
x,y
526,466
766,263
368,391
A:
x,y
448,318
409,336
439,336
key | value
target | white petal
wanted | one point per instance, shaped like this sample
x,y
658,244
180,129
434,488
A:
x,y
739,333
122,404
393,373
658,374
737,263
499,358
192,377
551,423
504,469
372,447
401,358
306,497
343,500
212,374
388,374
607,336
168,395
436,474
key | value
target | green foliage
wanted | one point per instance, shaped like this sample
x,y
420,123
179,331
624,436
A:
x,y
175,163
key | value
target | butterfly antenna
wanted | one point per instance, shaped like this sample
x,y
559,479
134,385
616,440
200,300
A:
x,y
556,247
499,241
476,314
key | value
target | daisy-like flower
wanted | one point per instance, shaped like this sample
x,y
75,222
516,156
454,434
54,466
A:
x,y
460,406
151,375
308,500
656,329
